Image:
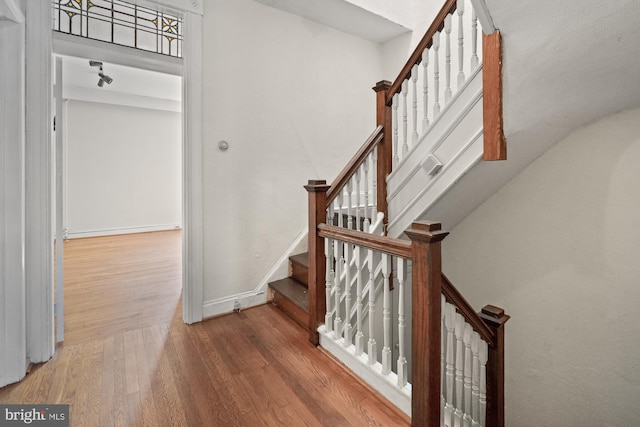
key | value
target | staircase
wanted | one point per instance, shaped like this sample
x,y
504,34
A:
x,y
291,293
374,299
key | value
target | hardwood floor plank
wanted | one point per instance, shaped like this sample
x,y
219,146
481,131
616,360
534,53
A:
x,y
120,395
129,360
146,358
131,369
108,382
88,394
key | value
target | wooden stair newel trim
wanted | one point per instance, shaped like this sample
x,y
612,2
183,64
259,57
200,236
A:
x,y
426,238
385,148
495,318
495,143
317,190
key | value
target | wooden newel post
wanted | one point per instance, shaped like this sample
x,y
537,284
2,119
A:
x,y
495,318
384,150
495,143
426,307
317,215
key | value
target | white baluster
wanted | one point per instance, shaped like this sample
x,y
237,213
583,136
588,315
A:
x,y
460,10
402,323
358,215
359,256
365,168
337,330
436,74
474,40
443,346
339,200
396,155
449,320
447,59
414,80
328,323
374,184
425,90
386,314
348,329
349,204
372,347
405,92
475,379
483,356
459,369
467,374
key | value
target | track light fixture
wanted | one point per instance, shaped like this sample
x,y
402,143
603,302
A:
x,y
103,77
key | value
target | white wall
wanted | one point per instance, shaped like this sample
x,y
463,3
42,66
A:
x,y
293,99
123,169
558,249
13,346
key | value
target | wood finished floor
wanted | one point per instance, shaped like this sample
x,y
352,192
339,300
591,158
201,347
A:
x,y
129,360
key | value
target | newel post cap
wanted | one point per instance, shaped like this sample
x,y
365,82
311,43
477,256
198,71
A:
x,y
382,85
317,186
494,316
426,231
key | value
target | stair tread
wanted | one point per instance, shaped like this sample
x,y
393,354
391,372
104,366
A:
x,y
293,290
302,259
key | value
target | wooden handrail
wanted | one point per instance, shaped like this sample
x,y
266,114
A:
x,y
389,245
355,162
425,43
454,297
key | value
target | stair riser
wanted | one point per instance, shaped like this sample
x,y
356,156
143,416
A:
x,y
300,273
296,313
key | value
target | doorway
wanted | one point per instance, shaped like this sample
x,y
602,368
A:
x,y
120,175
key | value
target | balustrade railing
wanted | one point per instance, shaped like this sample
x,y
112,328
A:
x,y
457,355
464,377
416,97
352,198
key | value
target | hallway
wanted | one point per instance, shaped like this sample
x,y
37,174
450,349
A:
x,y
129,360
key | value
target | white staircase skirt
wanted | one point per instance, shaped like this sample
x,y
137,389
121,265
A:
x,y
454,141
386,385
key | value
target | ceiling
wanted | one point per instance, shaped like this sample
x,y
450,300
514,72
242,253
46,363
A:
x,y
346,16
131,86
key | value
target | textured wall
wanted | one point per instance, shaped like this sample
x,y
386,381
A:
x,y
558,249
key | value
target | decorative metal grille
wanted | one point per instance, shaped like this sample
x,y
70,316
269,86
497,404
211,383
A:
x,y
119,22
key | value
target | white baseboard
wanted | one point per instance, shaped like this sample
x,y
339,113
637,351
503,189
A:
x,y
226,305
258,296
115,231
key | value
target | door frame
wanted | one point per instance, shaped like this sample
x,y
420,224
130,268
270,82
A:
x,y
39,206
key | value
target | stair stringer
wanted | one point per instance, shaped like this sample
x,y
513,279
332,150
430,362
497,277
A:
x,y
455,139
